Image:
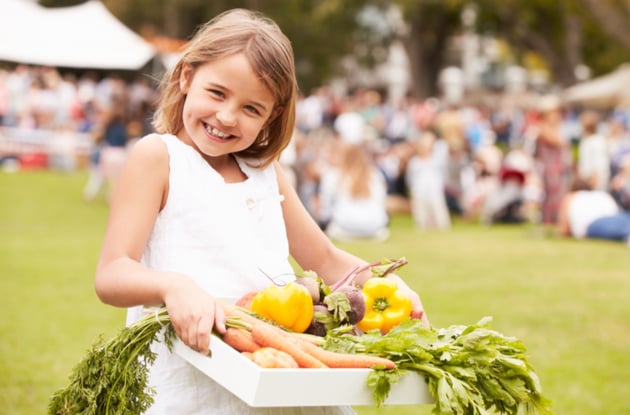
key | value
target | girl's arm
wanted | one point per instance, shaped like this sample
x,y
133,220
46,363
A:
x,y
313,250
121,280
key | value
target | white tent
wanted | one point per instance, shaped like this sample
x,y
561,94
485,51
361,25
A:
x,y
82,36
607,91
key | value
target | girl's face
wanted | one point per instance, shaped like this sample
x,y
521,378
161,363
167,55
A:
x,y
226,106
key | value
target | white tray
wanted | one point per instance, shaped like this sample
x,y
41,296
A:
x,y
263,387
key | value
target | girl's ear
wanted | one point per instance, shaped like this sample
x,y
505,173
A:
x,y
185,77
274,114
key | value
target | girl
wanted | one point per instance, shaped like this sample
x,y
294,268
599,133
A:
x,y
202,209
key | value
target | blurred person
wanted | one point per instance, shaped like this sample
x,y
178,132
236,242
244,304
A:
x,y
450,127
508,203
350,125
40,106
18,83
589,213
551,152
593,161
371,109
353,196
309,112
110,136
617,139
4,95
425,180
399,125
481,179
620,184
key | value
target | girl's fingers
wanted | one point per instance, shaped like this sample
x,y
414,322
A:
x,y
219,317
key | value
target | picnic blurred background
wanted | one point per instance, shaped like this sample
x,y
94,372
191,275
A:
x,y
77,78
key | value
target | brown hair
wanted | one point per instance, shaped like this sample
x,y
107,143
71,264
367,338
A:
x,y
269,52
590,121
356,168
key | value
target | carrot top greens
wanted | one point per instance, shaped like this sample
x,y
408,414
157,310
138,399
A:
x,y
113,376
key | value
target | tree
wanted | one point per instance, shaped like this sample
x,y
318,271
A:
x,y
564,33
321,31
431,25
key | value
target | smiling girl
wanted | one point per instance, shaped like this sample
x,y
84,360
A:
x,y
202,210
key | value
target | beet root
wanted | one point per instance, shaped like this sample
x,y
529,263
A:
x,y
357,303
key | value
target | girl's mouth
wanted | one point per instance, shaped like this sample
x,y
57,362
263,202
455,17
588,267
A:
x,y
217,133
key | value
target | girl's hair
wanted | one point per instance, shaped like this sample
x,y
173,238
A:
x,y
270,54
356,167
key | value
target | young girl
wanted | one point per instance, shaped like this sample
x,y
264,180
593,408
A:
x,y
202,210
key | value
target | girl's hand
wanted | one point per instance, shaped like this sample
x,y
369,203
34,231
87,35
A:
x,y
417,309
193,313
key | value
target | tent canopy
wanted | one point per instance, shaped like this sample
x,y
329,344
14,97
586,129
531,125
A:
x,y
606,91
82,36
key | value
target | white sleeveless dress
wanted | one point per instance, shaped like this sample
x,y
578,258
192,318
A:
x,y
226,236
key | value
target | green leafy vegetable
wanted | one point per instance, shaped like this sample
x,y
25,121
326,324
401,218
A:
x,y
113,376
470,370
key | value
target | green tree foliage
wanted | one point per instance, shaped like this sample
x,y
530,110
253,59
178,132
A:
x,y
564,33
322,31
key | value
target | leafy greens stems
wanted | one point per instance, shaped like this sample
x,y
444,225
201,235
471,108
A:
x,y
113,376
378,269
470,370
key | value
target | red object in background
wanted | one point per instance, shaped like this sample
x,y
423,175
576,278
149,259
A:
x,y
509,174
33,161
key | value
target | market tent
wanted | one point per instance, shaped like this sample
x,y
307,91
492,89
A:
x,y
82,36
607,91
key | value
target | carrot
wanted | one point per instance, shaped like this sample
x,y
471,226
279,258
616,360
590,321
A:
x,y
310,338
238,313
269,357
344,360
240,339
269,336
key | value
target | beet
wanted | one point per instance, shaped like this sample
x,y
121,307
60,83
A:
x,y
312,286
318,325
357,302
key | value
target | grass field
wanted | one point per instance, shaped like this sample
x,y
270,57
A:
x,y
567,300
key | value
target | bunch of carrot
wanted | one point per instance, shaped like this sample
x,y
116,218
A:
x,y
249,334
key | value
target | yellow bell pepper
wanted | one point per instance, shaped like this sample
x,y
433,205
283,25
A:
x,y
385,305
290,306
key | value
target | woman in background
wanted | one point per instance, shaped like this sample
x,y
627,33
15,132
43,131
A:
x,y
353,195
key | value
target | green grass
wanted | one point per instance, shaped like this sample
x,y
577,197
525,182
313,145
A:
x,y
567,300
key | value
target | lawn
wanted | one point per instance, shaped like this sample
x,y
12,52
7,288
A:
x,y
566,300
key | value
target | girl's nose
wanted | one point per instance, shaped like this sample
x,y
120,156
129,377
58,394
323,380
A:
x,y
226,117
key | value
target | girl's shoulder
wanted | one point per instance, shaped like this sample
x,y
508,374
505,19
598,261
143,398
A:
x,y
150,149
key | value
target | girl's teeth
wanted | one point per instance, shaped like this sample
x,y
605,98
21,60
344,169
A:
x,y
218,133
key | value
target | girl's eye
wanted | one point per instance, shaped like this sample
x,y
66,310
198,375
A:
x,y
217,93
252,109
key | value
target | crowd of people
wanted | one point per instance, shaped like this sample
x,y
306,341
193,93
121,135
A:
x,y
502,159
111,110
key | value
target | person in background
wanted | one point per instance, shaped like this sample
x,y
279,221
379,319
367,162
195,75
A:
x,y
425,180
110,140
593,161
589,213
353,196
620,184
552,158
202,210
